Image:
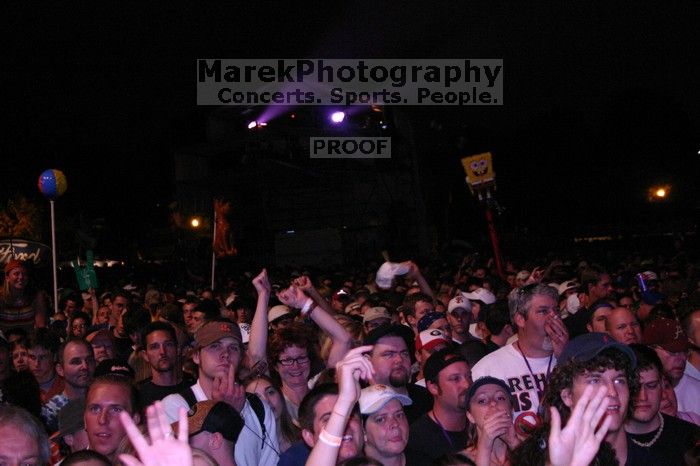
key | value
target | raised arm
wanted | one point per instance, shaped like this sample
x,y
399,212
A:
x,y
350,370
414,273
257,344
295,297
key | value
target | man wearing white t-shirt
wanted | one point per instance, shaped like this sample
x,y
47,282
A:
x,y
525,365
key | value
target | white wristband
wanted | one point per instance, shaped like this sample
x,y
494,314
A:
x,y
307,306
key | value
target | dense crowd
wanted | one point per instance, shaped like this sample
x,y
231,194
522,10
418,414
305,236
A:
x,y
568,363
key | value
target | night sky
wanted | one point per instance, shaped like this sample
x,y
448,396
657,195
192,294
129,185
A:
x,y
601,101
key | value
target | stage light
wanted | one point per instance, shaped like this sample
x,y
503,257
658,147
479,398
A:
x,y
661,192
256,124
337,117
195,222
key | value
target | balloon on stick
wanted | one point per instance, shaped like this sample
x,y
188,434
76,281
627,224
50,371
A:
x,y
52,184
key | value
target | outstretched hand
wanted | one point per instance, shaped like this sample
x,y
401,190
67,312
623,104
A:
x,y
165,449
578,442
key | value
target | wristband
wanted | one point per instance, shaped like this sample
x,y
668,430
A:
x,y
307,306
330,439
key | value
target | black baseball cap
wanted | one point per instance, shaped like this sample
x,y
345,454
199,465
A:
x,y
487,380
393,330
440,360
585,347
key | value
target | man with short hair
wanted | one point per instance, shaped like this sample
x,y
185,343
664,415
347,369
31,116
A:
x,y
623,326
108,396
415,306
42,362
102,343
497,321
314,411
598,315
443,429
120,301
525,365
205,311
160,351
218,356
392,356
188,306
214,427
655,438
24,440
76,364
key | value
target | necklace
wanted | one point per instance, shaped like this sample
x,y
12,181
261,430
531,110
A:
x,y
656,437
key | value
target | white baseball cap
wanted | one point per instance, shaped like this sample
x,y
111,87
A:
x,y
386,273
276,312
459,302
374,397
481,294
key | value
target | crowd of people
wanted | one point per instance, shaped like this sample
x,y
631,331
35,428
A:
x,y
568,363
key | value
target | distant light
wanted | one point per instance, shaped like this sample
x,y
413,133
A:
x,y
195,222
290,232
293,116
661,192
337,117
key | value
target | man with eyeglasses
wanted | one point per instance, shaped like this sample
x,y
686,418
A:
x,y
526,364
218,356
392,356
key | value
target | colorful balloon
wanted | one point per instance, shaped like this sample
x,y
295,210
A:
x,y
52,183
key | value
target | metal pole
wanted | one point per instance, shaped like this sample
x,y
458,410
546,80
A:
x,y
494,241
213,253
53,252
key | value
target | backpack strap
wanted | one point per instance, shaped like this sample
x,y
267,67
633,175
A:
x,y
189,397
259,410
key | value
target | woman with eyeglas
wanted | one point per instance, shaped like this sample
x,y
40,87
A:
x,y
490,413
292,351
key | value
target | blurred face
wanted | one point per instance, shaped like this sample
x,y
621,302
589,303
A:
x,y
694,328
647,403
20,358
542,309
391,361
117,307
196,321
386,431
70,307
78,365
17,279
41,364
669,403
161,351
103,347
626,302
79,328
18,448
602,288
459,319
374,323
598,319
674,363
102,315
214,360
488,401
294,366
267,392
422,308
618,392
352,437
187,316
623,326
453,384
104,403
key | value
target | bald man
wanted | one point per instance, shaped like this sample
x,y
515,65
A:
x,y
623,326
